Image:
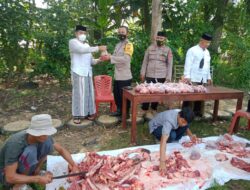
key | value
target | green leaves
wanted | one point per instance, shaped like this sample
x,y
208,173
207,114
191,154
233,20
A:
x,y
36,39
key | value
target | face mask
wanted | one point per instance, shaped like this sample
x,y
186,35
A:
x,y
122,37
159,43
82,37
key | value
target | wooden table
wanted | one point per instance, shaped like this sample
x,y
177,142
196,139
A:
x,y
213,93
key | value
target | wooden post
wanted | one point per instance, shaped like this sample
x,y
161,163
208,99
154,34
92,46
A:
x,y
156,18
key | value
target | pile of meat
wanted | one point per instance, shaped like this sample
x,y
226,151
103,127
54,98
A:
x,y
130,170
188,144
220,157
109,172
226,144
154,88
178,167
241,164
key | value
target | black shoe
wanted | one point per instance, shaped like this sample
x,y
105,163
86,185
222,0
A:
x,y
115,114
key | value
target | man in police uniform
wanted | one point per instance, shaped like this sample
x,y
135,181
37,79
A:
x,y
121,58
197,69
157,65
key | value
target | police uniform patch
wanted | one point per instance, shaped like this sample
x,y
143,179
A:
x,y
129,49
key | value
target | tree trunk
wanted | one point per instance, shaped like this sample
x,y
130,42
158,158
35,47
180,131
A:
x,y
156,18
218,23
146,16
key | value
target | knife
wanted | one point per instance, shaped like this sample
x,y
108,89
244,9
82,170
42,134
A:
x,y
70,175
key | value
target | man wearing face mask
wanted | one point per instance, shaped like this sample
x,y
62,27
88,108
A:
x,y
156,67
197,69
83,100
121,58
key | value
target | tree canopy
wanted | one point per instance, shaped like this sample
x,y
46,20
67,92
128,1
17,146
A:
x,y
34,41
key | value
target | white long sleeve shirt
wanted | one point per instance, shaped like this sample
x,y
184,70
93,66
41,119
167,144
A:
x,y
81,57
191,69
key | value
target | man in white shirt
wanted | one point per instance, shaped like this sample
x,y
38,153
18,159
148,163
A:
x,y
197,68
83,98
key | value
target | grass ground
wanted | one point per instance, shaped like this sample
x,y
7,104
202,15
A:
x,y
15,104
202,128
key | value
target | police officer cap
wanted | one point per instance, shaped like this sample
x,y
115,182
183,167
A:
x,y
162,33
80,27
206,36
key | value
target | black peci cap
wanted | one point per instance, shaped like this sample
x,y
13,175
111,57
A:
x,y
187,114
162,33
81,28
206,36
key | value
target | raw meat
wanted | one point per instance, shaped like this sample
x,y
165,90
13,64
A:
x,y
221,157
195,155
113,172
189,144
241,164
146,88
128,171
226,143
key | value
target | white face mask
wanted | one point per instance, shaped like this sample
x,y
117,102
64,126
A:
x,y
82,37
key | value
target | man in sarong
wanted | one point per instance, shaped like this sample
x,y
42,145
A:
x,y
83,97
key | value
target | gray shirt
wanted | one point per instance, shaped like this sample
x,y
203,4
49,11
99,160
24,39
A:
x,y
13,148
157,62
122,59
166,119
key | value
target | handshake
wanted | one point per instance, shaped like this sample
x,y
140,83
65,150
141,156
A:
x,y
105,56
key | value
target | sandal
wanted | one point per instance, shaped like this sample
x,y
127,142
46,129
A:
x,y
91,117
76,121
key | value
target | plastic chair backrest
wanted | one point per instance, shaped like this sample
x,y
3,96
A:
x,y
103,85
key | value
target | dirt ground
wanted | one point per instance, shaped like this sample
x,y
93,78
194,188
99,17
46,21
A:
x,y
23,101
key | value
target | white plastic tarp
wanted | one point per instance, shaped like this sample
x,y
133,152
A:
x,y
220,172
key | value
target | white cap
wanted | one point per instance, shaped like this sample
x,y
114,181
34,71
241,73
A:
x,y
41,125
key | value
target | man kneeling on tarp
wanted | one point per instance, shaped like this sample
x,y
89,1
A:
x,y
24,153
169,126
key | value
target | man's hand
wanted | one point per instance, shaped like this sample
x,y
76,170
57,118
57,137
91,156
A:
x,y
105,57
194,138
74,168
47,178
162,168
142,77
102,48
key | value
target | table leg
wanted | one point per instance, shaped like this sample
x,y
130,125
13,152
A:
x,y
133,123
238,107
124,111
216,108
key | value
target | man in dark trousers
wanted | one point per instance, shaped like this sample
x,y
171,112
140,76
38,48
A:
x,y
156,67
197,69
121,58
170,126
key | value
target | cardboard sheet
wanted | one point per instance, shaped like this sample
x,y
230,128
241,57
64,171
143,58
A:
x,y
219,172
